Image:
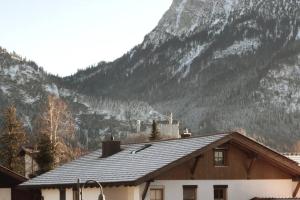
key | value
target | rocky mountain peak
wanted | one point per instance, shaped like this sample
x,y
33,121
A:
x,y
187,17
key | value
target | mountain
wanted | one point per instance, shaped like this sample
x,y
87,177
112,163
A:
x,y
218,65
27,86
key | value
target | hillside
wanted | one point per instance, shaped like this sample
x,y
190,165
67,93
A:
x,y
217,65
26,85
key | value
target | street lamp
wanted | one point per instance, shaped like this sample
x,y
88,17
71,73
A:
x,y
101,195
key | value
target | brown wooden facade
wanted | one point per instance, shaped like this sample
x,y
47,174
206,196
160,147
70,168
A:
x,y
241,164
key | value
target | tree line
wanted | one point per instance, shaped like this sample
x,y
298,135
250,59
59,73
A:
x,y
53,137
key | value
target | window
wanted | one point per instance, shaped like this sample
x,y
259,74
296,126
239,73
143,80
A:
x,y
220,157
62,194
189,192
156,194
75,194
220,192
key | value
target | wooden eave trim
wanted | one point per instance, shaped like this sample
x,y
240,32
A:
x,y
12,174
267,153
71,185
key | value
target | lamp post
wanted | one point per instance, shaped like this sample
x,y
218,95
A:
x,y
101,195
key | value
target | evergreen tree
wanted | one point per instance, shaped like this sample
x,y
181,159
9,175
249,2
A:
x,y
12,138
46,155
155,134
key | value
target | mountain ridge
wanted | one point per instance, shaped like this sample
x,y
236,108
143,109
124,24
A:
x,y
234,69
221,62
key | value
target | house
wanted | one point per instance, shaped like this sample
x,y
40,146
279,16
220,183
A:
x,y
8,186
226,166
28,155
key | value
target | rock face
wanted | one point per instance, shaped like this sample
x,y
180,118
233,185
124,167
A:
x,y
218,65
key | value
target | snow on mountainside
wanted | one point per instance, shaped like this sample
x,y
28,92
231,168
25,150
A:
x,y
26,85
219,65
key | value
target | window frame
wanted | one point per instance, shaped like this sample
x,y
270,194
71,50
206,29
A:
x,y
157,188
75,192
225,157
62,194
224,189
194,187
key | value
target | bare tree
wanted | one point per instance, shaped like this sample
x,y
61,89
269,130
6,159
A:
x,y
56,122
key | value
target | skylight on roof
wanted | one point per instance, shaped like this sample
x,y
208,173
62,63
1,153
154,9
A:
x,y
141,149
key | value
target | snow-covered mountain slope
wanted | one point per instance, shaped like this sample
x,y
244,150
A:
x,y
26,85
221,64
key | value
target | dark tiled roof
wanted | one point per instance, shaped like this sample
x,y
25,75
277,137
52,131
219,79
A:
x,y
138,163
125,166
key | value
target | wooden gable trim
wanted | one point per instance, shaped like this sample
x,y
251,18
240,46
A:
x,y
182,160
266,153
259,151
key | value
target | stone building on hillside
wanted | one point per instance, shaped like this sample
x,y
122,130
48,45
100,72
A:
x,y
168,128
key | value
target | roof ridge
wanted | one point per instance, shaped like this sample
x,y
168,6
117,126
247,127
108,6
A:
x,y
175,139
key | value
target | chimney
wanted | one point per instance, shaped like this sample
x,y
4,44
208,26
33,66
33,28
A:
x,y
110,148
186,134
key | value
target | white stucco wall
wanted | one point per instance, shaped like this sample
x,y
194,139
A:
x,y
112,193
5,194
50,194
237,189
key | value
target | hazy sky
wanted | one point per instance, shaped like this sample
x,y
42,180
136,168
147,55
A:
x,y
65,35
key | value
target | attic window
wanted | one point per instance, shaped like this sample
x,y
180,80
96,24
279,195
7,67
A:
x,y
141,149
220,157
